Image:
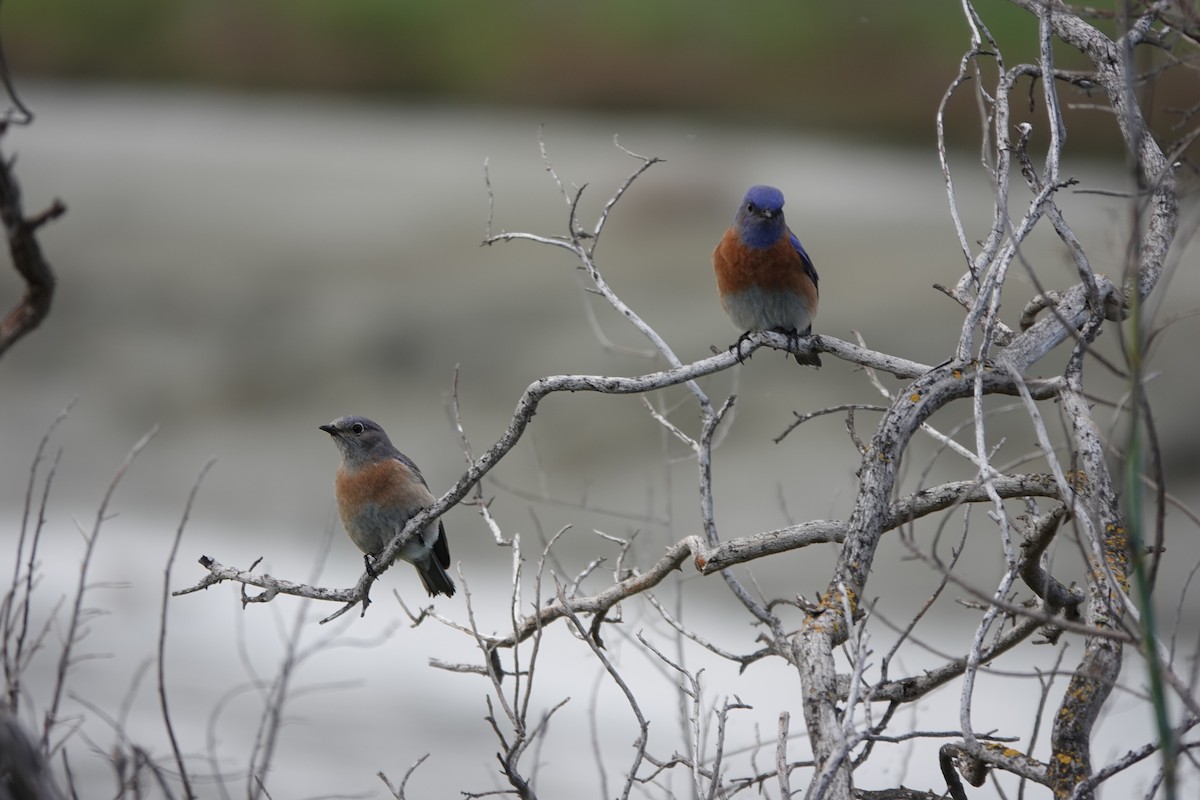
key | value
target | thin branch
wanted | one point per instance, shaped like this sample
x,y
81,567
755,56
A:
x,y
50,718
27,257
162,633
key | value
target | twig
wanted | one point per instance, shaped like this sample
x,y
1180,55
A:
x,y
24,248
71,638
398,791
162,633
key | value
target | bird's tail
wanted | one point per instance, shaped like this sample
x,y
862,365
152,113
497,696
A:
x,y
435,578
811,359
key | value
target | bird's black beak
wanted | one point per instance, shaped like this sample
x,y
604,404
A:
x,y
332,431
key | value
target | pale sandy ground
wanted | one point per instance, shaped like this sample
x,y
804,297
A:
x,y
241,269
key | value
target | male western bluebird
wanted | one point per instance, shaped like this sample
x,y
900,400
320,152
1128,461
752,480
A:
x,y
378,490
766,280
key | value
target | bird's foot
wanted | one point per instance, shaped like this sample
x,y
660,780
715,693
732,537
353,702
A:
x,y
736,347
369,563
794,336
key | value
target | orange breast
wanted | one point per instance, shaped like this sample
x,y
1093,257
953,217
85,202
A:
x,y
386,484
775,268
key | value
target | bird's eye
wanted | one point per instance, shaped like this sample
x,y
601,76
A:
x,y
357,428
751,207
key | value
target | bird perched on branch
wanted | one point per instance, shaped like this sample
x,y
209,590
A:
x,y
766,279
379,489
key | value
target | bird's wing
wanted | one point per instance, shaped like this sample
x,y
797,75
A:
x,y
412,465
809,269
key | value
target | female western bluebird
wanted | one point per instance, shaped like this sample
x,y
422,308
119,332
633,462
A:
x,y
766,280
378,490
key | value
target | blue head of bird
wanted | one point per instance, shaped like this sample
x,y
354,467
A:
x,y
760,217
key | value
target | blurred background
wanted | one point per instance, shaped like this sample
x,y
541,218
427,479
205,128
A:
x,y
275,213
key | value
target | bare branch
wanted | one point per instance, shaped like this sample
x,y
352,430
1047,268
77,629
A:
x,y
398,791
74,621
526,408
26,254
162,633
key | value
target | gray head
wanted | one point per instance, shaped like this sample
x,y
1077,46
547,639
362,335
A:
x,y
359,439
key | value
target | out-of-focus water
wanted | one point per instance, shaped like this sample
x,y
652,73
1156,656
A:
x,y
240,269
